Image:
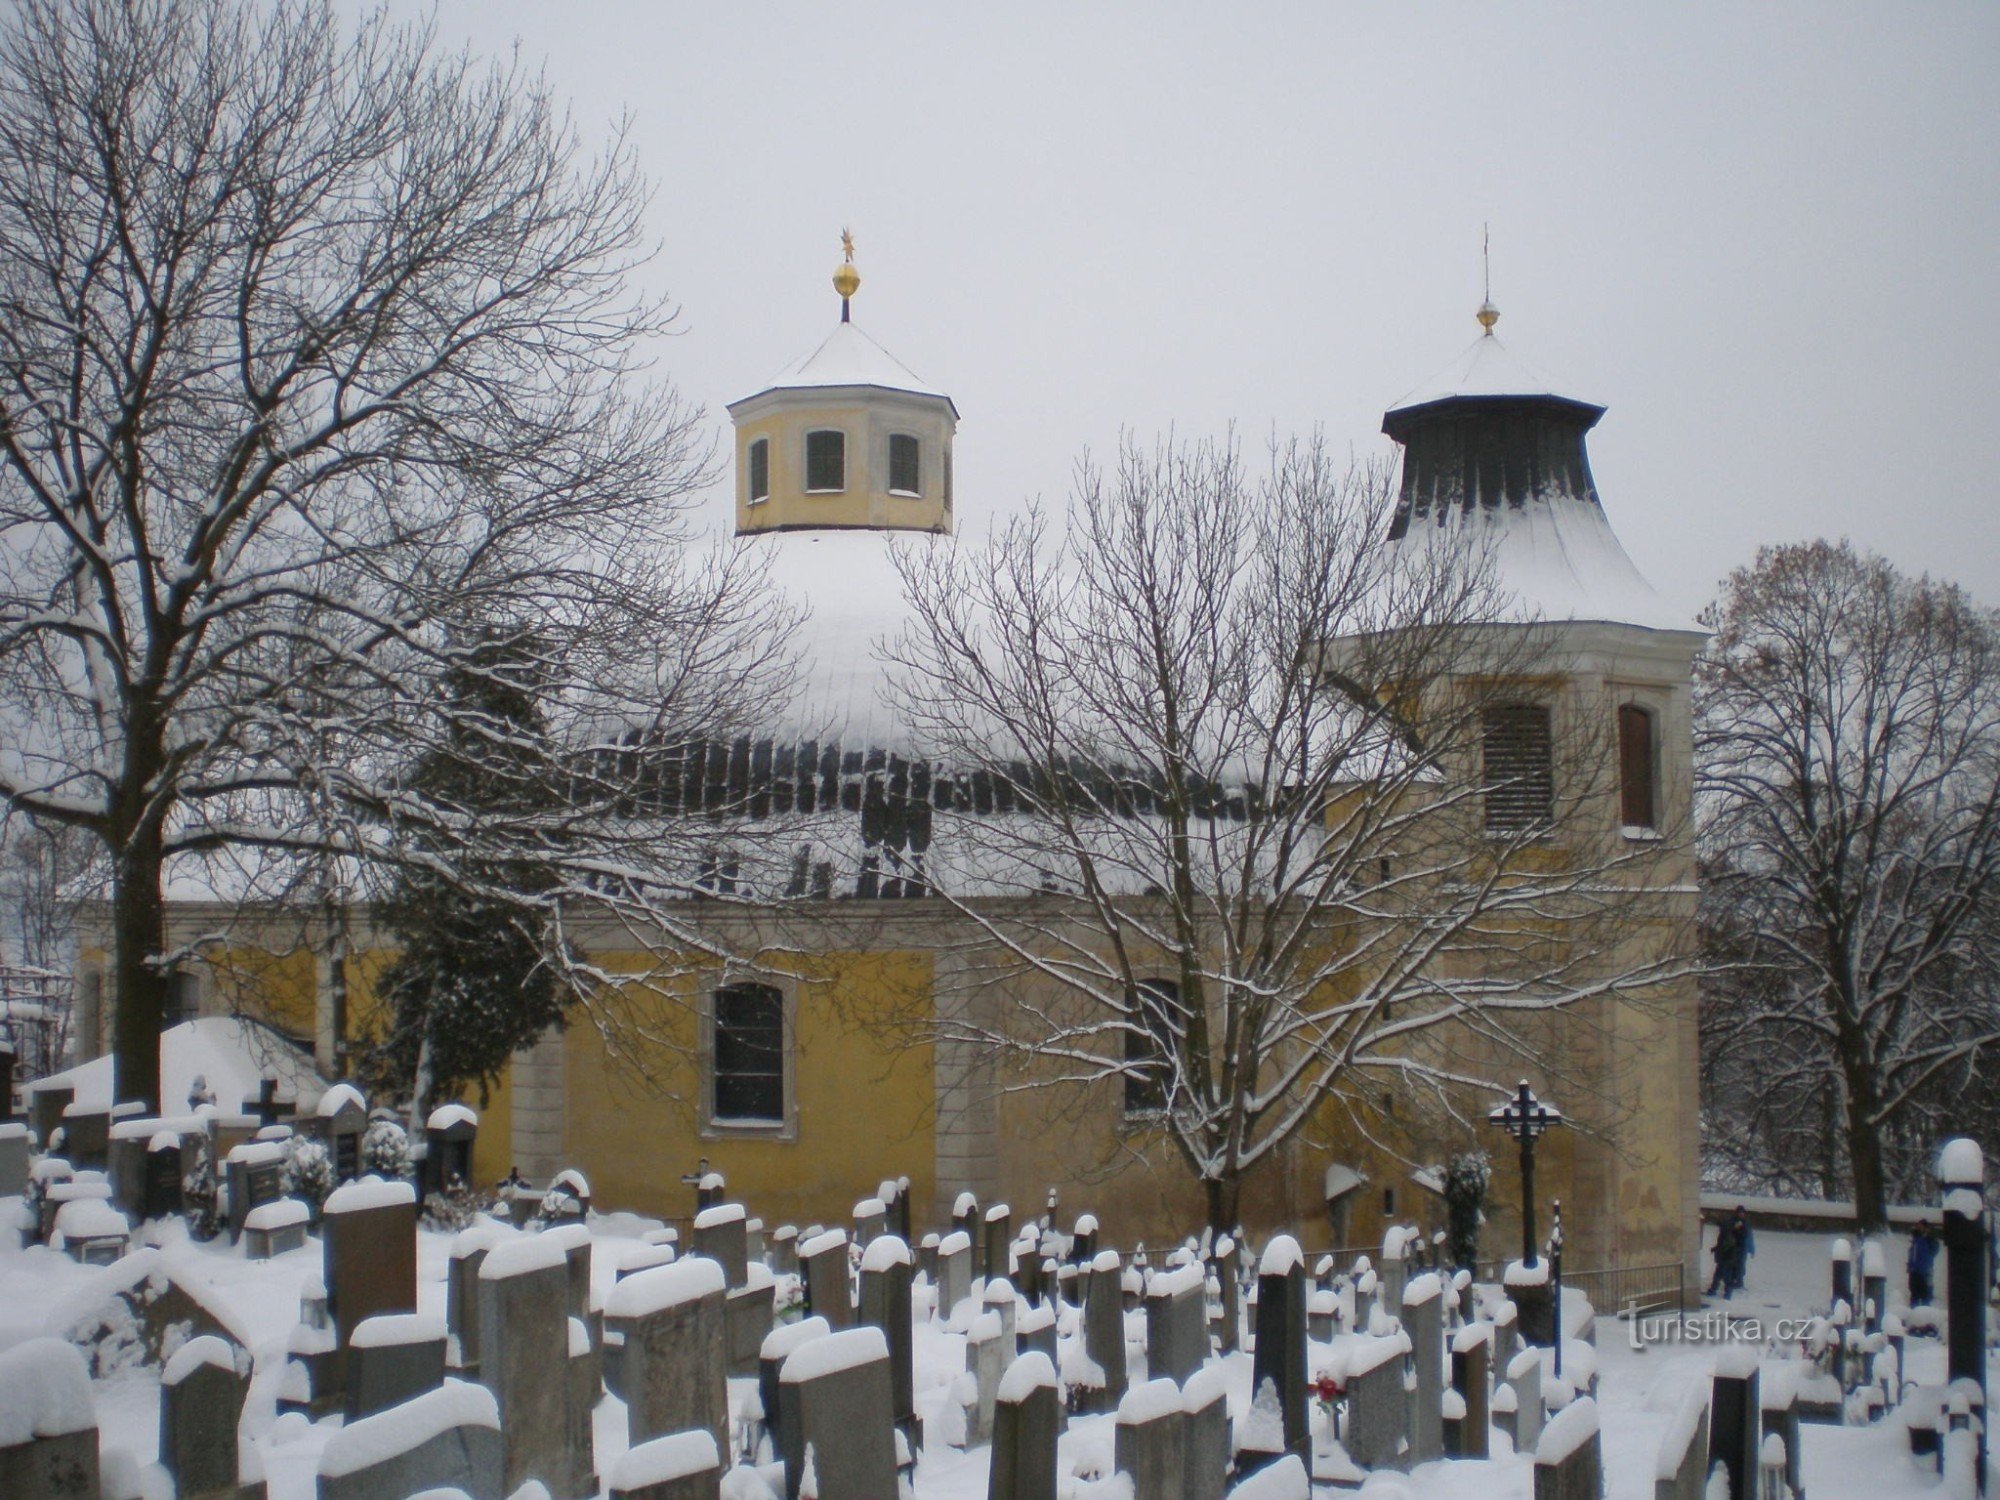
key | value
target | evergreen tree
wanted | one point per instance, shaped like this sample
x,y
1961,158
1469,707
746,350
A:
x,y
477,974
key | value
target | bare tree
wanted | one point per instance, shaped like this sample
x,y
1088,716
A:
x,y
1255,846
320,358
45,873
1849,750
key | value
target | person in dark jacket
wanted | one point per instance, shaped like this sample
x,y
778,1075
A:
x,y
1725,1258
1744,1246
1922,1261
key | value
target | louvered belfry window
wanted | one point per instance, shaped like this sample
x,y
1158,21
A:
x,y
1637,796
1519,768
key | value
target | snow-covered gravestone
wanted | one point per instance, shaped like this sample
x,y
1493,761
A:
x,y
13,1158
574,1237
1735,1423
1280,1355
341,1120
785,1250
368,1243
823,1265
1378,1406
721,1233
1152,1430
1176,1322
1035,1329
682,1466
1681,1471
999,1239
523,1349
1841,1260
989,1350
954,1274
1780,1402
1524,1380
201,1400
1394,1269
449,1135
965,1216
673,1370
780,1401
885,1304
871,1218
1228,1290
1569,1461
461,1298
1962,1175
1423,1320
87,1136
48,1425
1205,1439
1874,1285
392,1357
841,1385
253,1171
747,1314
1102,1379
448,1438
1026,1422
1471,1369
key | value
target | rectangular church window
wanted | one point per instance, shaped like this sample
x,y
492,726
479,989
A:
x,y
1637,794
760,470
749,1055
826,461
905,476
1150,1047
1519,771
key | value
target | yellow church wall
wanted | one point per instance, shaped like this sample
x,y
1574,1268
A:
x,y
865,500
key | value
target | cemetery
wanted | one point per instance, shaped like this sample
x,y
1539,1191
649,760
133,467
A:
x,y
334,1324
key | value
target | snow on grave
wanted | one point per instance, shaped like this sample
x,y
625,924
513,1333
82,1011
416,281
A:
x,y
673,1370
392,1357
523,1343
1569,1463
446,1438
138,1311
680,1466
48,1424
1284,1480
202,1391
368,1245
1026,1421
274,1228
841,1384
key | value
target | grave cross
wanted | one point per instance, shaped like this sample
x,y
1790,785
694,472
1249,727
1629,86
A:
x,y
1525,1117
266,1106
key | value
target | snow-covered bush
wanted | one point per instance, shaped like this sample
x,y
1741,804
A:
x,y
1466,1177
452,1209
307,1172
385,1150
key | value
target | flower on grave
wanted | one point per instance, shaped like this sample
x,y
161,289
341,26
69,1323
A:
x,y
1327,1388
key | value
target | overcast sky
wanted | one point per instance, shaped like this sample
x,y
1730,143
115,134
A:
x,y
1764,236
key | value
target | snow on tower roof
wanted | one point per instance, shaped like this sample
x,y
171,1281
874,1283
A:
x,y
848,357
1487,367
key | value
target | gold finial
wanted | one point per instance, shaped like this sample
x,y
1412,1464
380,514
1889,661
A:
x,y
846,280
1488,314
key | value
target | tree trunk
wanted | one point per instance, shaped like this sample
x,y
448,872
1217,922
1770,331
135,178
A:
x,y
1224,1195
138,938
1864,1147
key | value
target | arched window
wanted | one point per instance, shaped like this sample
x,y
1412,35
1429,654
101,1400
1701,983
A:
x,y
760,470
1638,793
826,461
1519,771
1150,1047
905,467
748,1066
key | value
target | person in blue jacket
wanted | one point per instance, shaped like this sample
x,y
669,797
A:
x,y
1922,1261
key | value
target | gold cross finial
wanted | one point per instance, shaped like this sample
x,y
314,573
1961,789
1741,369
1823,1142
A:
x,y
1488,314
847,245
846,280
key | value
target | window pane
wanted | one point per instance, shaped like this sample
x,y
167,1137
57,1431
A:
x,y
1519,775
749,1063
760,468
904,475
1635,767
826,460
1150,1043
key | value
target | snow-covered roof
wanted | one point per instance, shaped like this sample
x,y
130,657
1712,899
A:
x,y
848,357
232,1054
1487,367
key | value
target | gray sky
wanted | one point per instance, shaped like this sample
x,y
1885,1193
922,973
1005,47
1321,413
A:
x,y
1762,235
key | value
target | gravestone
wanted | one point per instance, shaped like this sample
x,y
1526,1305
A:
x,y
1471,1372
841,1385
450,1134
927,1258
13,1158
999,1237
1205,1439
998,1298
988,1353
747,1314
785,1250
391,1358
823,1265
368,1244
673,1368
1681,1471
965,1217
1841,1259
1176,1323
461,1296
1103,1335
574,1238
1524,1377
1027,1419
1423,1321
1229,1291
523,1346
781,1414
1393,1269
165,1169
1036,1329
1735,1421
954,1277
721,1234
1378,1407
252,1171
87,1136
275,1228
683,1466
201,1400
1151,1432
45,1389
126,1163
1280,1355
1874,1285
871,1217
1569,1461
885,1303
446,1439
1083,1240
1779,1400
341,1120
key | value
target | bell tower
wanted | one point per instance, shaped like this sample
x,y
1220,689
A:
x,y
845,439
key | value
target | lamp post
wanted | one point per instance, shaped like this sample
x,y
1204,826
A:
x,y
1525,1117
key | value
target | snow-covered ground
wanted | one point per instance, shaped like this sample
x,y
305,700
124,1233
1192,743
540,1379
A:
x,y
43,1292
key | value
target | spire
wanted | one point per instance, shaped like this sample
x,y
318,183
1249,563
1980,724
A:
x,y
846,280
1488,314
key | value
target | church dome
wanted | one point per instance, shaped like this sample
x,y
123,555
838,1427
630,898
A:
x,y
1495,458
